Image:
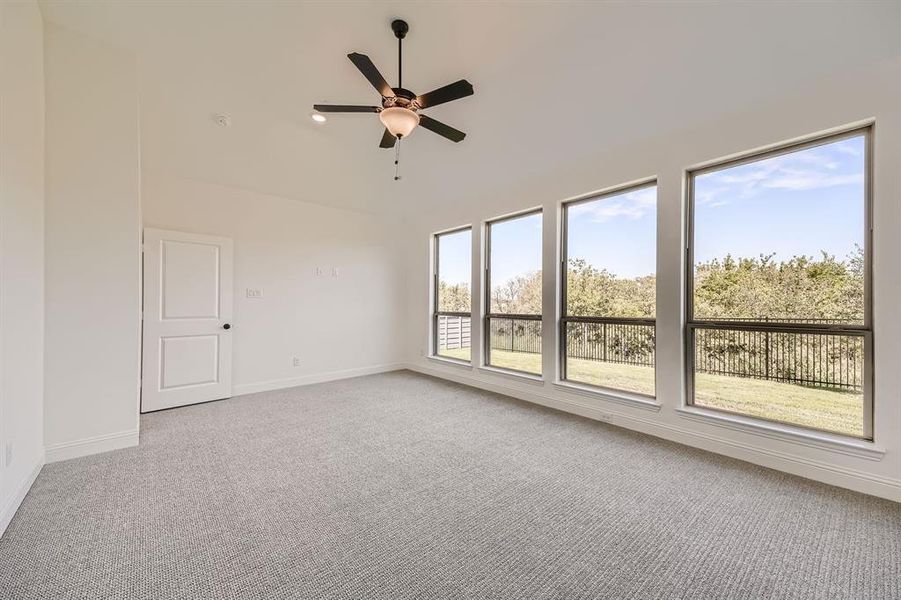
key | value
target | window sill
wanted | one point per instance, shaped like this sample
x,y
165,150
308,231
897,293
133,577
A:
x,y
610,395
460,364
815,439
517,375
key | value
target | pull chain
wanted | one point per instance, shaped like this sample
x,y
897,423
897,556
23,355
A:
x,y
397,160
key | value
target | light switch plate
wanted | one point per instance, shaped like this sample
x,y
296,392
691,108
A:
x,y
254,293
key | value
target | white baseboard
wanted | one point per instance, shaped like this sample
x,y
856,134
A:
x,y
92,445
12,505
860,481
278,384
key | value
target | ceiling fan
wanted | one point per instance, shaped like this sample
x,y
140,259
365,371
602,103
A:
x,y
399,110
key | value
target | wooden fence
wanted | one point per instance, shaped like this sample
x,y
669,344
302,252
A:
x,y
453,332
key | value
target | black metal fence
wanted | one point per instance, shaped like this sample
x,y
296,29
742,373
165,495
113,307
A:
x,y
515,335
624,343
816,359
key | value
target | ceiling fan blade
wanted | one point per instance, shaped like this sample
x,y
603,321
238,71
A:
x,y
454,135
388,140
339,108
453,91
362,62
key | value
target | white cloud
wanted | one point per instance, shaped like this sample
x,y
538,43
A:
x,y
816,168
711,195
808,181
848,148
632,205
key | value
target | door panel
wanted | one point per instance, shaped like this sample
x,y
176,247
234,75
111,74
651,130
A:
x,y
187,303
190,280
189,360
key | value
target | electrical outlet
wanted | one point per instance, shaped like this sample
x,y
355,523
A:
x,y
296,361
334,271
318,271
8,454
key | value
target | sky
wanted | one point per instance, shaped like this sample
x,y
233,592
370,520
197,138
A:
x,y
799,203
515,248
617,233
803,202
455,257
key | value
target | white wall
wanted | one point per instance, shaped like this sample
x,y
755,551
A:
x,y
21,251
92,246
337,326
872,93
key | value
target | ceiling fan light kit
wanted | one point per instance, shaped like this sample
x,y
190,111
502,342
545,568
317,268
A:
x,y
399,121
399,110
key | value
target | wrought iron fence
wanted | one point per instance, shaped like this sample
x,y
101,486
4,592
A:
x,y
625,343
816,359
515,335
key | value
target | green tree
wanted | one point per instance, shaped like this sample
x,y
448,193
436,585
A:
x,y
454,298
597,292
520,295
802,287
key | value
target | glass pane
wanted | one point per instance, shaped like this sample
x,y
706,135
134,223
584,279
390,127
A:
x,y
515,344
454,271
611,247
809,379
782,238
453,337
611,355
515,263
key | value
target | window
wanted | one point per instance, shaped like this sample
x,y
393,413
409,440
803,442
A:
x,y
453,303
608,336
779,324
513,284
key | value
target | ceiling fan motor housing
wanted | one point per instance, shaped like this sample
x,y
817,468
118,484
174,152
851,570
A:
x,y
403,98
400,28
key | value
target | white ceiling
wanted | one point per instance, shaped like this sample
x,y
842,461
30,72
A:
x,y
553,82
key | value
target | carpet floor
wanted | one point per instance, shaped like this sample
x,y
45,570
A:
x,y
403,486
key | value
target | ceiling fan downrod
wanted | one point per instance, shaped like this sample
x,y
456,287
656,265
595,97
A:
x,y
400,29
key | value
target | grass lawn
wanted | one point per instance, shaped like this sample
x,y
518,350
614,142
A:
x,y
837,411
830,410
458,353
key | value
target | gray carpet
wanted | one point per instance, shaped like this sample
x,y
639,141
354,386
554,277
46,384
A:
x,y
402,486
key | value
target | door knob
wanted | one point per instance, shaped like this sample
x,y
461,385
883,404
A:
x,y
226,326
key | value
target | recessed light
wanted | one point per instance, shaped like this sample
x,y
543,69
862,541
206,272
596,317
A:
x,y
318,117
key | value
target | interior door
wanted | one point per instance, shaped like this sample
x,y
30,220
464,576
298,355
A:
x,y
187,319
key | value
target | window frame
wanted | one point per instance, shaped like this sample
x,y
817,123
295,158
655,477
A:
x,y
436,274
864,330
563,319
488,315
